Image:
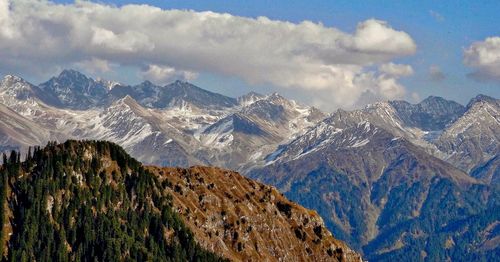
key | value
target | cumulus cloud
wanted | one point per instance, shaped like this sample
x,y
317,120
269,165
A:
x,y
41,36
165,74
436,74
484,58
396,70
377,37
94,65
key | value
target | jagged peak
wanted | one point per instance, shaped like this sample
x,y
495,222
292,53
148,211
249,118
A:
x,y
482,98
127,100
250,98
276,97
108,83
434,98
438,100
184,85
70,78
379,105
429,100
71,73
10,79
251,95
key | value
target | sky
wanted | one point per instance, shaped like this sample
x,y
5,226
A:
x,y
329,54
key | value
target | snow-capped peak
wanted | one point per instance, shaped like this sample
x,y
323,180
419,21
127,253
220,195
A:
x,y
10,80
250,98
15,86
109,84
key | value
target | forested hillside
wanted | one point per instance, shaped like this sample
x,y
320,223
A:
x,y
89,202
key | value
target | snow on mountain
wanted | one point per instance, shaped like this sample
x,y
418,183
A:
x,y
322,136
390,159
206,127
23,97
432,114
388,181
250,98
140,131
246,136
108,83
18,132
474,137
174,95
74,90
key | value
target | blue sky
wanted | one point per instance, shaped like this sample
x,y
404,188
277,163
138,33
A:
x,y
442,30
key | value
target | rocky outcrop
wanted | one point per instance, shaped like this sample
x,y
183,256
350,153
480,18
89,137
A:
x,y
244,220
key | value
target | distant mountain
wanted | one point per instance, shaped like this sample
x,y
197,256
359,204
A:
x,y
255,130
250,98
379,191
489,172
139,131
89,200
433,113
392,178
176,125
16,131
75,90
474,137
177,94
22,96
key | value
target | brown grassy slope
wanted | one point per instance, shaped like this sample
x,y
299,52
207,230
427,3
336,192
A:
x,y
244,220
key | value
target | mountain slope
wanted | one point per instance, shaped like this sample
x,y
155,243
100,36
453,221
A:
x,y
178,124
373,187
141,132
248,135
474,138
16,131
488,172
74,90
433,113
90,200
248,221
176,94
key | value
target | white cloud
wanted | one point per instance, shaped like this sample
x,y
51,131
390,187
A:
x,y
5,21
436,74
484,57
298,56
396,70
164,74
94,65
377,37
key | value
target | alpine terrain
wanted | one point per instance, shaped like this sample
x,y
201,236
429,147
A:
x,y
89,200
395,180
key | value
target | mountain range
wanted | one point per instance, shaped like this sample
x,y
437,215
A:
x,y
391,179
91,201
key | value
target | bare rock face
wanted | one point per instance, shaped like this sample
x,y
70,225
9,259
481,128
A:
x,y
373,181
474,138
433,113
178,124
244,220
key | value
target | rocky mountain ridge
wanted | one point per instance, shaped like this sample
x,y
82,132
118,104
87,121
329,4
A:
x,y
381,171
178,124
129,211
396,179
